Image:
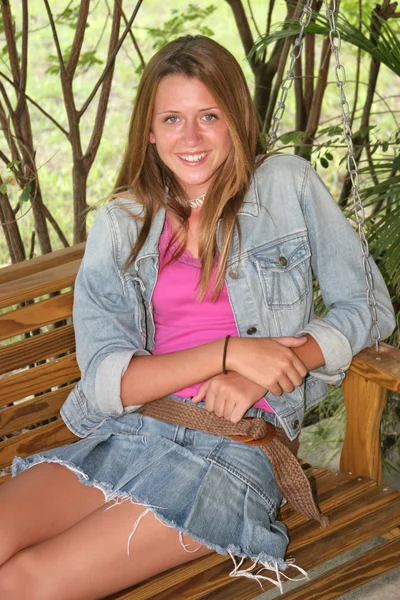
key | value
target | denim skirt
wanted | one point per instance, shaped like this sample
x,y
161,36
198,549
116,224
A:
x,y
217,490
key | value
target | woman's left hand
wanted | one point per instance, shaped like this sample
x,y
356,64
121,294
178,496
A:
x,y
229,396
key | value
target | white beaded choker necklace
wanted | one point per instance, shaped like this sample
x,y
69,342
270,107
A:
x,y
197,202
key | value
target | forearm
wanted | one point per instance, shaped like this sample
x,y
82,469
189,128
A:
x,y
310,354
151,377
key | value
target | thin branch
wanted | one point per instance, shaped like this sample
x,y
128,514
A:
x,y
271,7
24,55
55,36
105,90
4,122
134,41
123,49
244,29
5,96
55,225
10,40
358,65
60,127
253,19
111,60
32,248
4,158
76,48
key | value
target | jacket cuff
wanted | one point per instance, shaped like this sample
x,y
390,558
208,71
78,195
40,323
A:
x,y
108,382
335,348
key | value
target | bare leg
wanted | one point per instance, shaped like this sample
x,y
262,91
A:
x,y
40,503
90,559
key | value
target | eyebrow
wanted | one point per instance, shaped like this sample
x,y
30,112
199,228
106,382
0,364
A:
x,y
178,111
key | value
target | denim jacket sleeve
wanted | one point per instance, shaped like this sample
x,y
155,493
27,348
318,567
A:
x,y
104,320
336,262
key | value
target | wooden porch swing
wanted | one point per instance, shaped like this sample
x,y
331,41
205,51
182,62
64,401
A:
x,y
38,371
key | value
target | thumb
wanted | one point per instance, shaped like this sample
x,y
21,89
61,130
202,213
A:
x,y
291,342
201,392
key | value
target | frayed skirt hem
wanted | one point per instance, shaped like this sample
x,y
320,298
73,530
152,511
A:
x,y
276,565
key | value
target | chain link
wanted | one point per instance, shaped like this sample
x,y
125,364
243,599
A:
x,y
359,212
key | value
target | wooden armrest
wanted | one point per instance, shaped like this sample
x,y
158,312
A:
x,y
382,368
365,387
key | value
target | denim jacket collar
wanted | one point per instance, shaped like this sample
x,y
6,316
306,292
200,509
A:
x,y
249,208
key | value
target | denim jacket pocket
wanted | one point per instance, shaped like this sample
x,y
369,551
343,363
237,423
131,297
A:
x,y
135,288
284,271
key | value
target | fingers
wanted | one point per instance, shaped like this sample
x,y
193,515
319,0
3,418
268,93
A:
x,y
291,342
201,392
275,389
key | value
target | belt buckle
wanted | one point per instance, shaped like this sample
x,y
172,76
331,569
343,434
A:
x,y
249,440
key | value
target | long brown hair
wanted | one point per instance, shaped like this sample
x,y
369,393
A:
x,y
145,177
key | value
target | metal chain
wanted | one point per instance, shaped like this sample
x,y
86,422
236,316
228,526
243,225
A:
x,y
359,212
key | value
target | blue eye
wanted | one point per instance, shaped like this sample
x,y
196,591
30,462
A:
x,y
171,119
210,117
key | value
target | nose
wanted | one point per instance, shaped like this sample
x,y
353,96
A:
x,y
192,133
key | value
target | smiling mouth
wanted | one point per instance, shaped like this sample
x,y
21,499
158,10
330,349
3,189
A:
x,y
193,158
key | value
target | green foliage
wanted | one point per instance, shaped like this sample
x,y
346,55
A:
x,y
68,16
183,22
86,60
25,195
386,48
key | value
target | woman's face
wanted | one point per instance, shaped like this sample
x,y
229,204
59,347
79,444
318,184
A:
x,y
191,136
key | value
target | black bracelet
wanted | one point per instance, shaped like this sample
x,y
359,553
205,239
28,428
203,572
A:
x,y
224,355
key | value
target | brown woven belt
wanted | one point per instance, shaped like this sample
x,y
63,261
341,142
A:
x,y
273,441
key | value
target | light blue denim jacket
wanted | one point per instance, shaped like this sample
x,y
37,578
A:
x,y
291,227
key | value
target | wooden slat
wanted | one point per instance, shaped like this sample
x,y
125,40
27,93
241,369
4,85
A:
x,y
310,556
357,571
36,315
208,577
41,263
51,435
382,368
332,497
34,411
365,401
38,284
36,348
42,378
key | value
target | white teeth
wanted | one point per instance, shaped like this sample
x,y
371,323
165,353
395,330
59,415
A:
x,y
193,157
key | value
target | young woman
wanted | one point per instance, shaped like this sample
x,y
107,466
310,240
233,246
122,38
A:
x,y
203,239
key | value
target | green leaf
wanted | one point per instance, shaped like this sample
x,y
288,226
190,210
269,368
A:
x,y
13,163
24,197
324,162
329,156
375,147
385,146
3,188
396,163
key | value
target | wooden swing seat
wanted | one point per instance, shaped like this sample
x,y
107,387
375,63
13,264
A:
x,y
38,369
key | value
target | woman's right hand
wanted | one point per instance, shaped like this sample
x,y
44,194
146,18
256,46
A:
x,y
270,362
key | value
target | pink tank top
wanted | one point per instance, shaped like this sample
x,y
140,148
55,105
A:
x,y
180,321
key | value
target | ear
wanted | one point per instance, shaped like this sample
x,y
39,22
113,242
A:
x,y
152,138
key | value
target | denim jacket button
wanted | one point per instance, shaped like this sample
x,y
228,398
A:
x,y
251,330
282,261
295,424
233,274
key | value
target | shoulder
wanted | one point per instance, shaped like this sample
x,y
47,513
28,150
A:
x,y
119,218
114,230
278,179
278,165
